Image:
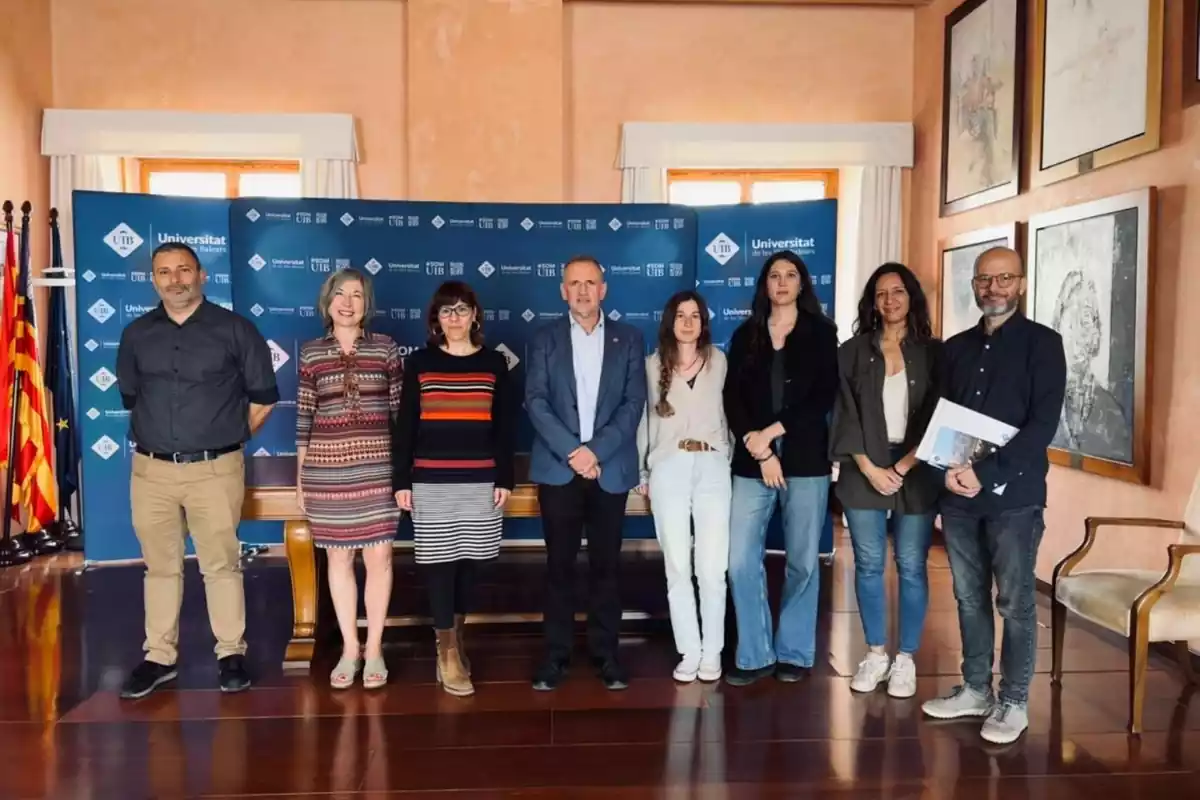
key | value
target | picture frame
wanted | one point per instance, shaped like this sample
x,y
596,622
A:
x,y
983,103
956,266
1097,85
1089,268
1191,53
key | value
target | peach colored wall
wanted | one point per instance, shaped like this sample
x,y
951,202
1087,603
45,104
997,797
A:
x,y
705,63
25,90
487,99
1175,327
244,56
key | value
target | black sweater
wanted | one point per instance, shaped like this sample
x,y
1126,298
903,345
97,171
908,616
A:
x,y
810,386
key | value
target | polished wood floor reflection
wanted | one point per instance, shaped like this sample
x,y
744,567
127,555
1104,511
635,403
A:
x,y
67,638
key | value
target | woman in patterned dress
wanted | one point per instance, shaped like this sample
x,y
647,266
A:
x,y
453,460
348,395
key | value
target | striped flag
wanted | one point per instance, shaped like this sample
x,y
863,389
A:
x,y
33,479
8,301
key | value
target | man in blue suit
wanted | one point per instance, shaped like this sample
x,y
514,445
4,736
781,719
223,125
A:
x,y
585,389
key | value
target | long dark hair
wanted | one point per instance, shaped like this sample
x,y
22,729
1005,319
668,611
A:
x,y
760,309
920,328
448,294
668,346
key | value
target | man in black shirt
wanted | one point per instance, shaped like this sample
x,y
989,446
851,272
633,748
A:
x,y
198,381
1014,370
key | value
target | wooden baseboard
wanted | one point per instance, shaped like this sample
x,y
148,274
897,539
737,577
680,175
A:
x,y
1163,650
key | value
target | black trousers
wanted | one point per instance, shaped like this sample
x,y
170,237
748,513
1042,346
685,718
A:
x,y
570,512
449,584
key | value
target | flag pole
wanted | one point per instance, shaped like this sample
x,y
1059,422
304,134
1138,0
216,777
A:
x,y
12,551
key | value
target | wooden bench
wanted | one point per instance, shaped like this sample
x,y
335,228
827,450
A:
x,y
271,496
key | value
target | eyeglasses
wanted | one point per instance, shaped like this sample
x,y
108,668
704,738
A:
x,y
445,312
1003,281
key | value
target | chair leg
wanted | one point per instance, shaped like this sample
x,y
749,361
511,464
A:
x,y
1058,630
1139,647
1185,663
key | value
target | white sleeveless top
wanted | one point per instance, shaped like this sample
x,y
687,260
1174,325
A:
x,y
895,405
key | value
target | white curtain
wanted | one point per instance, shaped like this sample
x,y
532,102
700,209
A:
x,y
643,185
329,177
879,224
68,174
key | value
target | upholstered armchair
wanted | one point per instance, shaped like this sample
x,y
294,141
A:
x,y
1142,605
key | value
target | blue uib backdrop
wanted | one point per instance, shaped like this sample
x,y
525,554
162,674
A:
x,y
267,258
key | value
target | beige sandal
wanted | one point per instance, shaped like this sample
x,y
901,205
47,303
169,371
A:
x,y
375,674
343,674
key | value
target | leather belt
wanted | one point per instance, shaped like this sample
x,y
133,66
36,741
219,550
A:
x,y
695,446
189,458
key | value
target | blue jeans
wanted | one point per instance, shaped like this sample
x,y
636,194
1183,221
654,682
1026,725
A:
x,y
1002,545
869,535
805,503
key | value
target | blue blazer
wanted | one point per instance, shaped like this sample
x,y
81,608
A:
x,y
550,401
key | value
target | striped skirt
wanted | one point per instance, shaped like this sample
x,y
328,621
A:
x,y
453,521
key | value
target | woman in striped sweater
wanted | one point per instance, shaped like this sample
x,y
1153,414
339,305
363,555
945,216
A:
x,y
453,463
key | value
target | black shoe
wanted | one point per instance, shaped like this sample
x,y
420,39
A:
x,y
790,673
745,677
145,678
549,675
613,675
233,675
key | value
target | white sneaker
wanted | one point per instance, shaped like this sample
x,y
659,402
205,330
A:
x,y
687,670
872,671
902,680
962,701
1005,724
710,670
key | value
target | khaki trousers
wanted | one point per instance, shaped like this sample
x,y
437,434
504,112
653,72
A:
x,y
203,499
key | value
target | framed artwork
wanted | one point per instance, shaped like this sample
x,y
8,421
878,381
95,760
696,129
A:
x,y
983,79
1089,276
1191,52
1097,84
957,309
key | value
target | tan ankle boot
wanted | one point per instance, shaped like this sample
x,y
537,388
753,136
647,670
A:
x,y
450,672
460,624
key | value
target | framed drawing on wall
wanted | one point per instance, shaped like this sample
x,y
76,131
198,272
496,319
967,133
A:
x,y
983,79
1191,52
1089,275
957,309
1097,84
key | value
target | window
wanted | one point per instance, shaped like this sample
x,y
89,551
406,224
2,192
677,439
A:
x,y
228,179
733,187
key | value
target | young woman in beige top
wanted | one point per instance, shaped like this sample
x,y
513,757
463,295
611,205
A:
x,y
685,449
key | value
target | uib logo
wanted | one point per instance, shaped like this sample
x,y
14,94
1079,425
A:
x,y
123,240
722,248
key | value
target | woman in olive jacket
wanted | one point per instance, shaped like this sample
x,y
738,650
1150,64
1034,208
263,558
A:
x,y
889,388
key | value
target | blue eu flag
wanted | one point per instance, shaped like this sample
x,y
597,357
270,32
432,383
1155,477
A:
x,y
60,382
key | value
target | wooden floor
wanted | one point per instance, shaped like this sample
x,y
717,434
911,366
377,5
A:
x,y
67,640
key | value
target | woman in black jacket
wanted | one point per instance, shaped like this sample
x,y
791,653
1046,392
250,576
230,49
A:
x,y
889,388
779,391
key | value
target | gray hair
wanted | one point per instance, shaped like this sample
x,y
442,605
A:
x,y
335,282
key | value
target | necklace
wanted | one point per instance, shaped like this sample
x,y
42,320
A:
x,y
685,370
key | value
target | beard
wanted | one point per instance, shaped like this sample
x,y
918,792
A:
x,y
997,307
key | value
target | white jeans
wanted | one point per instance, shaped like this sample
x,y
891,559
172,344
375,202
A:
x,y
684,487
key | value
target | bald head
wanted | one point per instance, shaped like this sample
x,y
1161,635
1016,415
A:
x,y
999,281
1002,259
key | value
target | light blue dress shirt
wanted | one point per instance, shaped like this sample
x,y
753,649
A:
x,y
587,351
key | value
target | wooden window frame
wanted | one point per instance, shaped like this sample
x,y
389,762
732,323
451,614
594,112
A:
x,y
746,178
233,170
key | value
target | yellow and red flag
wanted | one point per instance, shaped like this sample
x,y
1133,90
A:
x,y
34,487
8,301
